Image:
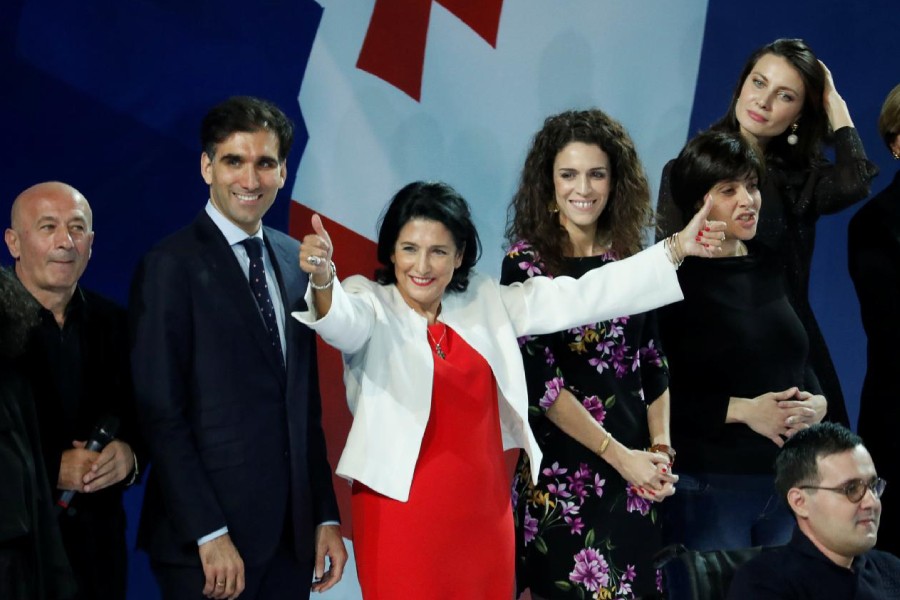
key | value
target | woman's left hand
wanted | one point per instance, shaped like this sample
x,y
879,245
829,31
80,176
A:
x,y
701,237
833,103
667,486
816,402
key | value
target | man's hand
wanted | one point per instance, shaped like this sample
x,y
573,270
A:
x,y
223,568
111,466
74,466
329,543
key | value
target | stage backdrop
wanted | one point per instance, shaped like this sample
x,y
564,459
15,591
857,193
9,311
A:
x,y
108,96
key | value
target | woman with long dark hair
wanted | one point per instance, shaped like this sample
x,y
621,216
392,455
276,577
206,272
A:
x,y
785,102
598,394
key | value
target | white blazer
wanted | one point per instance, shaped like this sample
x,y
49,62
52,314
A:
x,y
389,366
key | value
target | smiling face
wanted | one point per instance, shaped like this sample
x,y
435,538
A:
x,y
737,203
771,98
841,529
244,176
424,259
582,180
50,238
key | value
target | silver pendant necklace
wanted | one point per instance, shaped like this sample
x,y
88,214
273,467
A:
x,y
437,343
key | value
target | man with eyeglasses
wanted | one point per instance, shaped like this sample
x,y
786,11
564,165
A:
x,y
828,479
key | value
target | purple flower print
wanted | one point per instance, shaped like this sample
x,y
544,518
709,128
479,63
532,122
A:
x,y
629,573
600,364
659,587
548,356
635,502
606,346
524,340
553,388
624,590
598,485
568,508
558,490
531,528
553,470
517,247
594,405
575,524
590,570
531,268
650,354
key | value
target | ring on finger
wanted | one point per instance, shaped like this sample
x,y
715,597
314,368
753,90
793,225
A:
x,y
313,260
220,584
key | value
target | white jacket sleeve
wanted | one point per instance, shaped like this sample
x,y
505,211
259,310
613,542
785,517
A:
x,y
349,322
631,286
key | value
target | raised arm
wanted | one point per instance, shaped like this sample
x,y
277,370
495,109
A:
x,y
634,285
316,251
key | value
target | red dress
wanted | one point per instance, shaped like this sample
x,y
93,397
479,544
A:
x,y
454,538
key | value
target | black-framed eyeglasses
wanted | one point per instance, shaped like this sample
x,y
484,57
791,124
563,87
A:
x,y
854,490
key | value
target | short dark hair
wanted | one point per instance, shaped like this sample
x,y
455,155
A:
x,y
812,127
796,461
433,201
707,159
245,114
18,314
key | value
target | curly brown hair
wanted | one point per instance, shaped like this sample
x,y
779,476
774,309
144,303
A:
x,y
627,211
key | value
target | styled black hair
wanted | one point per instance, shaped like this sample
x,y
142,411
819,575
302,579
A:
x,y
707,159
247,115
812,126
796,461
433,201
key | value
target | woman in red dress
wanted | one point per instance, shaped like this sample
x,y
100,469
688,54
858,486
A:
x,y
436,385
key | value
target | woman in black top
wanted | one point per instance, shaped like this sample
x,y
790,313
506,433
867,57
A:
x,y
740,381
785,101
598,394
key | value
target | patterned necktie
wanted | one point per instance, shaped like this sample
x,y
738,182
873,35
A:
x,y
260,290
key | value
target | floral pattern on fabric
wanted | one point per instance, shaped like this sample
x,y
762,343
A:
x,y
580,532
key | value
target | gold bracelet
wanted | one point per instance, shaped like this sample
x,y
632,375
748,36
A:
x,y
604,444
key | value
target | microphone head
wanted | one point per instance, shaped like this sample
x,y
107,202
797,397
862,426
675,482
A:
x,y
105,430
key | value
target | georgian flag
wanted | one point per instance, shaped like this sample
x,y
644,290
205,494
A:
x,y
453,90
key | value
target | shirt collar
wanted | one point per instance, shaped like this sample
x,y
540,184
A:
x,y
233,234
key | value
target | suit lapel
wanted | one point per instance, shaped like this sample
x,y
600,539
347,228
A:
x,y
226,270
292,284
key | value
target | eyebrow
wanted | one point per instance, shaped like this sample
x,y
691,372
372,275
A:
x,y
783,87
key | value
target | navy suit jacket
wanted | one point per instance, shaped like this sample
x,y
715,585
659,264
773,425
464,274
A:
x,y
235,439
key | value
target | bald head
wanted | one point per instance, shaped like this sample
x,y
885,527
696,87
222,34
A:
x,y
52,191
50,237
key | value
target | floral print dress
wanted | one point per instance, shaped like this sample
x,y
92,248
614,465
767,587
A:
x,y
581,532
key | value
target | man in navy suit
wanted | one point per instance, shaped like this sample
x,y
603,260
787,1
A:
x,y
239,497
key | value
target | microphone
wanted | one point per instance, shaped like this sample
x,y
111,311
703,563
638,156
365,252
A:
x,y
103,433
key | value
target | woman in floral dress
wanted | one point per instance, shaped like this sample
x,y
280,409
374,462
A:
x,y
598,393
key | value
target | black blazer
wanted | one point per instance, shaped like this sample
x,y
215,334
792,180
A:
x,y
874,260
234,438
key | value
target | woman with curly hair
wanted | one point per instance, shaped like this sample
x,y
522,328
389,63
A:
x,y
598,394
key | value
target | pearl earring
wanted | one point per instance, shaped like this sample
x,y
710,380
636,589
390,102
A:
x,y
792,139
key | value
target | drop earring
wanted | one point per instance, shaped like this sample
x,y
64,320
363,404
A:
x,y
553,208
792,139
